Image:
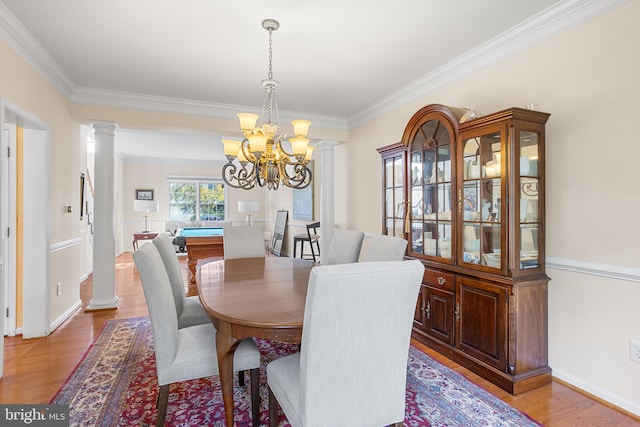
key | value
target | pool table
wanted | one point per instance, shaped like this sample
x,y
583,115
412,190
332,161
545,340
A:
x,y
201,243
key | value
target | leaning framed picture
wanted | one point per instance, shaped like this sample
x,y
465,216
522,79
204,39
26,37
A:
x,y
144,194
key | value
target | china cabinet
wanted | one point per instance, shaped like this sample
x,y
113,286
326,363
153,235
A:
x,y
468,195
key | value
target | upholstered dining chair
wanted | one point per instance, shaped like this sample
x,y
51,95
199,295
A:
x,y
345,247
243,242
188,309
187,353
381,247
357,327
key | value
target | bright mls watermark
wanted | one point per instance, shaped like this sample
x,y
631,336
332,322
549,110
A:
x,y
34,415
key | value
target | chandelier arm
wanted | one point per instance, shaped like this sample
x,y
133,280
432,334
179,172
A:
x,y
300,179
245,179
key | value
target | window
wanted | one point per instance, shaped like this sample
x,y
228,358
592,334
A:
x,y
191,200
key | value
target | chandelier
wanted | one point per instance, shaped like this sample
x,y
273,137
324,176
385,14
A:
x,y
261,157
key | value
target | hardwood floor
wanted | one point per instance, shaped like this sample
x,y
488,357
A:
x,y
35,369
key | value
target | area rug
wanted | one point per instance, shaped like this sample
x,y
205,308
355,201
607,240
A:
x,y
115,384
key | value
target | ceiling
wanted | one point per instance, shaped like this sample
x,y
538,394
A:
x,y
336,60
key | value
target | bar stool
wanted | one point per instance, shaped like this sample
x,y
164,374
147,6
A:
x,y
312,237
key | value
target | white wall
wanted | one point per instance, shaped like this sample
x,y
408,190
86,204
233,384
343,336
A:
x,y
587,78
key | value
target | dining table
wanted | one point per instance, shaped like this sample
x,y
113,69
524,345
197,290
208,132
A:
x,y
252,297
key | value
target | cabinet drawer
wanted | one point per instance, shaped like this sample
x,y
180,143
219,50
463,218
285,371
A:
x,y
438,279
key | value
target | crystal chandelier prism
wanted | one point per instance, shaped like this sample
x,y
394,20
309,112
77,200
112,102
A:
x,y
260,158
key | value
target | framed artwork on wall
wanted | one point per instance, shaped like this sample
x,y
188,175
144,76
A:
x,y
82,185
303,202
144,194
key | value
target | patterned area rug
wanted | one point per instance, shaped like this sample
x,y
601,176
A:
x,y
115,385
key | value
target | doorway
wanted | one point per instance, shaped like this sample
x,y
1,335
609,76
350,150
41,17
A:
x,y
24,224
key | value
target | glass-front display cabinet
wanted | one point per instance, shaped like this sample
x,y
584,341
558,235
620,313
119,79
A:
x,y
467,193
430,143
501,192
393,197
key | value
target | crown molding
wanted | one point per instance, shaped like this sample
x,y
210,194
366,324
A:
x,y
544,25
136,101
24,44
551,21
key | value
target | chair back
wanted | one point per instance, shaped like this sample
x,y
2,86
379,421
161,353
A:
x,y
383,248
243,242
345,247
357,327
312,231
162,309
172,265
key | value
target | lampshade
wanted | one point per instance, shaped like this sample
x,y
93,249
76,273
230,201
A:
x,y
145,206
248,206
300,127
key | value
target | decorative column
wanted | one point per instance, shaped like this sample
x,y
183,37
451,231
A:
x,y
104,241
327,215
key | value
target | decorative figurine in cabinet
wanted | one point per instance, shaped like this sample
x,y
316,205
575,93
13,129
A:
x,y
471,205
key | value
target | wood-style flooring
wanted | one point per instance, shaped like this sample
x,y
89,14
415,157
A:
x,y
35,369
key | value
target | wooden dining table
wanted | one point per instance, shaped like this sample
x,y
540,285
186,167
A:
x,y
252,297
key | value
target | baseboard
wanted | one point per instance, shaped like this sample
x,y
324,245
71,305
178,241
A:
x,y
597,393
60,320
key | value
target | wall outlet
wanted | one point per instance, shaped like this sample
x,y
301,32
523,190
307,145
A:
x,y
634,351
59,288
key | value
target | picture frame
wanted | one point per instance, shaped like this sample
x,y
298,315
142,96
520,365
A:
x,y
82,191
303,201
144,194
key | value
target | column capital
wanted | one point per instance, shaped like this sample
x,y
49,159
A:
x,y
326,144
104,127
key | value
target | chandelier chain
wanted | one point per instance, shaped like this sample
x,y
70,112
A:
x,y
270,74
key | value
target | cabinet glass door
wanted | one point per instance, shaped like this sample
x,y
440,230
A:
x,y
431,190
394,195
529,199
481,200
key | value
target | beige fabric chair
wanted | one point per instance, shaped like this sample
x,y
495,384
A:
x,y
345,247
187,353
383,248
243,242
352,367
189,309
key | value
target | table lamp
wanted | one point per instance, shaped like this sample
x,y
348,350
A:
x,y
145,206
248,206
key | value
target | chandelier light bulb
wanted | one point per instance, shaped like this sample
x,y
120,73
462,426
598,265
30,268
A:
x,y
247,121
299,146
300,127
231,147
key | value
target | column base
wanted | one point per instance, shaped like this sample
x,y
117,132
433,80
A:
x,y
112,304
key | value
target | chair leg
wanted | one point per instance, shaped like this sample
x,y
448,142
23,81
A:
x,y
161,404
398,424
241,378
255,396
273,409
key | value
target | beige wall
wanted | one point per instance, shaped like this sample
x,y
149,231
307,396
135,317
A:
x,y
26,90
587,78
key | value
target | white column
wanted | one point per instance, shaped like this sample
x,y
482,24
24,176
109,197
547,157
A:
x,y
104,241
327,216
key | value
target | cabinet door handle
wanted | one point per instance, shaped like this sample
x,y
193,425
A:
x,y
457,312
428,310
441,280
